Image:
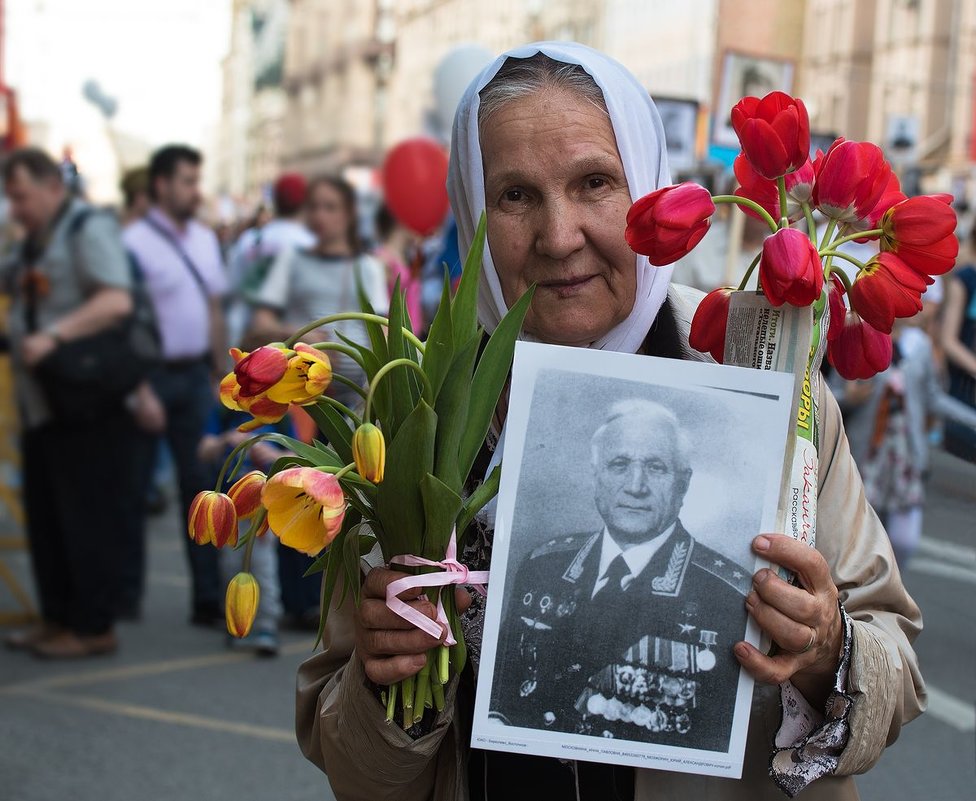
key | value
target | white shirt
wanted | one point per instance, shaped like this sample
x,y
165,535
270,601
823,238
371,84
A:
x,y
637,557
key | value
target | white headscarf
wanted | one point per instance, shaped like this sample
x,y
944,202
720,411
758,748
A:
x,y
640,142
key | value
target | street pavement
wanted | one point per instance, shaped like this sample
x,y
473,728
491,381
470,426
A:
x,y
175,716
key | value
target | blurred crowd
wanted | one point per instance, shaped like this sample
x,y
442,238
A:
x,y
119,329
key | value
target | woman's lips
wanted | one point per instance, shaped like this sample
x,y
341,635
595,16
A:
x,y
567,287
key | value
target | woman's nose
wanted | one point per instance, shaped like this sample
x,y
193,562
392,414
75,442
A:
x,y
560,232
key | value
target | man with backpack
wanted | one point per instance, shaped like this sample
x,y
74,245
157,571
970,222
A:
x,y
180,258
71,291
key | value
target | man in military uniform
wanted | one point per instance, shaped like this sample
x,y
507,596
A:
x,y
627,632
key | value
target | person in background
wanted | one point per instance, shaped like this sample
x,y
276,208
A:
x,y
68,279
304,285
958,337
886,418
135,194
219,440
180,259
402,253
256,249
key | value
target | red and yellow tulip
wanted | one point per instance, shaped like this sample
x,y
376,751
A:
x,y
885,289
305,508
212,519
246,494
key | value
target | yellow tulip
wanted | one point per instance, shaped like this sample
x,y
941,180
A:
x,y
241,604
305,508
369,452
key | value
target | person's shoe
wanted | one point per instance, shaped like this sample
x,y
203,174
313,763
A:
x,y
68,645
265,643
25,639
209,616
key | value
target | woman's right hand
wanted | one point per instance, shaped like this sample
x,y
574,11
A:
x,y
391,648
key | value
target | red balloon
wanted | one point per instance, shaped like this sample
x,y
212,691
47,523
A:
x,y
415,184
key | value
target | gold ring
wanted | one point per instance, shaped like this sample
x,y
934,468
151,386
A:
x,y
813,640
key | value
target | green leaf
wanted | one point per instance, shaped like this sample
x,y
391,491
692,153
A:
x,y
374,331
381,400
452,415
399,506
350,560
317,457
441,506
464,309
439,348
489,380
476,501
336,428
396,379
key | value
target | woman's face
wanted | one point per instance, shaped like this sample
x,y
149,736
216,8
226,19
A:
x,y
557,202
326,214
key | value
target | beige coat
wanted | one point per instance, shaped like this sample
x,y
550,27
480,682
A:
x,y
342,728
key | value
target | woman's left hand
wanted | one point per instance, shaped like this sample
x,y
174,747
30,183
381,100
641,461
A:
x,y
803,620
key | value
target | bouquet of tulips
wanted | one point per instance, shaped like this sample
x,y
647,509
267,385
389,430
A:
x,y
392,473
854,187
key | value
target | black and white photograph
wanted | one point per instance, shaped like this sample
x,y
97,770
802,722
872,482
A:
x,y
680,119
631,490
745,75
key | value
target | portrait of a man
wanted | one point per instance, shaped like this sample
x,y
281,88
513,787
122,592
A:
x,y
626,631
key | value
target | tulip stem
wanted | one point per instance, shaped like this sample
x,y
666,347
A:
x,y
386,368
811,225
840,275
744,201
341,347
783,212
391,699
248,550
343,470
350,383
827,234
749,272
840,255
230,457
342,408
858,235
361,316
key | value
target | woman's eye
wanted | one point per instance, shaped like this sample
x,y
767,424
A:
x,y
514,195
596,182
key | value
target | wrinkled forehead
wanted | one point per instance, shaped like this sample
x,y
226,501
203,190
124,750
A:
x,y
638,437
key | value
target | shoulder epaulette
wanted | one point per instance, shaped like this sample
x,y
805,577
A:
x,y
560,544
732,573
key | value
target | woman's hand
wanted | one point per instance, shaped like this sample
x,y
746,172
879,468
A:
x,y
803,620
392,649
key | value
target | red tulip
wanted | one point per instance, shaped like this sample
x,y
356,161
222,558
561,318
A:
x,y
885,289
774,133
790,269
260,370
921,230
892,195
859,351
667,224
851,177
838,309
799,189
709,323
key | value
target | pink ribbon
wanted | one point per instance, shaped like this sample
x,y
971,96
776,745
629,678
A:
x,y
453,573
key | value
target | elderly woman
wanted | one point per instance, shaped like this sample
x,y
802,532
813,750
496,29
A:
x,y
555,141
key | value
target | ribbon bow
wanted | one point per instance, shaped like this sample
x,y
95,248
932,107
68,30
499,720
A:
x,y
453,573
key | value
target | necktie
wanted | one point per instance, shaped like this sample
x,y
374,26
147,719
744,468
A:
x,y
615,573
